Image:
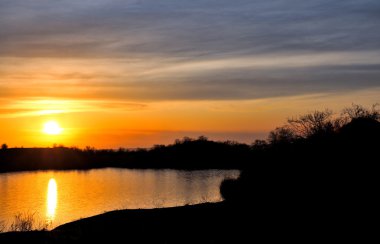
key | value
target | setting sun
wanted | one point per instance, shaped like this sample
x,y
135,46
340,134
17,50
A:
x,y
52,128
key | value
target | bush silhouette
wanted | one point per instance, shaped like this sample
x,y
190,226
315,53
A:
x,y
4,146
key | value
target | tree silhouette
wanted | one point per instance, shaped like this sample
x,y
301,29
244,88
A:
x,y
313,124
358,111
281,135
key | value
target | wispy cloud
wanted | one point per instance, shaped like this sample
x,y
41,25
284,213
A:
x,y
27,107
187,50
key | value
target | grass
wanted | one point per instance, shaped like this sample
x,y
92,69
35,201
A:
x,y
25,222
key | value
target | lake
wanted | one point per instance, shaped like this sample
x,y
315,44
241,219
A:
x,y
58,197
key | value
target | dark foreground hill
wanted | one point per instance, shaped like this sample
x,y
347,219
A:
x,y
205,223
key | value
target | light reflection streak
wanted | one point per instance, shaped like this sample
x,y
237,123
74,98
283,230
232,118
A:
x,y
51,200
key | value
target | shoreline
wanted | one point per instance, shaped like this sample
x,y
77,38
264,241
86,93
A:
x,y
206,222
115,167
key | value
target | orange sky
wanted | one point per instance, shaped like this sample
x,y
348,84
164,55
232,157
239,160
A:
x,y
114,123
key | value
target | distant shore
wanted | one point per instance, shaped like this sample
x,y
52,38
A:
x,y
187,154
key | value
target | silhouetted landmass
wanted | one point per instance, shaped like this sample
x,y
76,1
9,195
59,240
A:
x,y
317,173
188,153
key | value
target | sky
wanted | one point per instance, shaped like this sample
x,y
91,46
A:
x,y
134,73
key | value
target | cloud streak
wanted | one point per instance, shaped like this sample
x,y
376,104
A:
x,y
27,107
187,50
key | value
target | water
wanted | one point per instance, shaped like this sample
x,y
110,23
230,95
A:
x,y
58,197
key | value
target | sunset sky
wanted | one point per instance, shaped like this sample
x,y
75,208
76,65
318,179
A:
x,y
133,73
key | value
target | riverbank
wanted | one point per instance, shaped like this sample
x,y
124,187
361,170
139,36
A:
x,y
203,223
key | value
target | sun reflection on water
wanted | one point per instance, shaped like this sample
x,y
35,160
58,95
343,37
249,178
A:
x,y
51,199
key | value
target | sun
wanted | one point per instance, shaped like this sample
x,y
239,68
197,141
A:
x,y
52,128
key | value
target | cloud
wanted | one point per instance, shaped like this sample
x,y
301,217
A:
x,y
187,50
186,28
27,107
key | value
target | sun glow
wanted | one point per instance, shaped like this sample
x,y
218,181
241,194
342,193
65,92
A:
x,y
52,128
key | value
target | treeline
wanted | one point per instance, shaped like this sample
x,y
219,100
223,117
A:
x,y
320,139
186,153
325,137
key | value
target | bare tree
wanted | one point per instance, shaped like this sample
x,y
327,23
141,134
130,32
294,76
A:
x,y
319,124
281,135
312,124
358,111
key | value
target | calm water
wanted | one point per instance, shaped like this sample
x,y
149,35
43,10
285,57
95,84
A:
x,y
63,196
